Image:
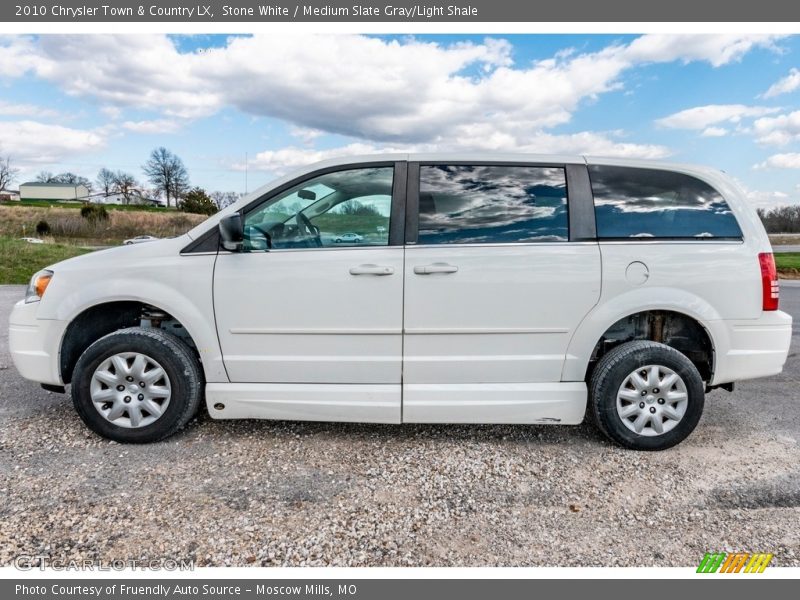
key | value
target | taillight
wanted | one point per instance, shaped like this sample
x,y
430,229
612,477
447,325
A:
x,y
770,291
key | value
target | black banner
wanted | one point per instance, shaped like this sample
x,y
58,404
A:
x,y
206,11
390,589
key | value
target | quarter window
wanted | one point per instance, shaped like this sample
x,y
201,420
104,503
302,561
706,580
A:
x,y
344,208
485,204
653,203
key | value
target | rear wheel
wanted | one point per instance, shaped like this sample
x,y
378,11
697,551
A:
x,y
646,396
137,385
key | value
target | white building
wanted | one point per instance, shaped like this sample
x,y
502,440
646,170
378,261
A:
x,y
135,197
9,195
53,191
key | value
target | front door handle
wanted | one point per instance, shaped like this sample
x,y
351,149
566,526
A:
x,y
435,268
371,270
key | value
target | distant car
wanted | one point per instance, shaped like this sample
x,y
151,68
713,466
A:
x,y
31,240
140,239
349,238
380,229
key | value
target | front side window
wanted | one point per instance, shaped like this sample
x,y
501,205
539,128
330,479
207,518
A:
x,y
485,204
653,203
344,208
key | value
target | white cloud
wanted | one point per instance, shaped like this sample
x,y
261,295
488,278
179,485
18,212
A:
x,y
143,71
769,199
789,160
779,130
112,112
785,85
589,142
388,92
154,126
18,55
292,157
34,142
702,117
714,132
597,144
25,110
715,49
305,135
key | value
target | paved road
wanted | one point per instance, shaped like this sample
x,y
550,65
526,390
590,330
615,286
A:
x,y
786,248
282,493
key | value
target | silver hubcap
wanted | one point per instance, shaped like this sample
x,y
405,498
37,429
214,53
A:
x,y
130,390
652,400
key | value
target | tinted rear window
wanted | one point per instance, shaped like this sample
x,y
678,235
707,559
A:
x,y
485,204
652,203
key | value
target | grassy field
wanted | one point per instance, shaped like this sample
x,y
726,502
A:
x,y
20,260
67,226
788,263
69,230
77,205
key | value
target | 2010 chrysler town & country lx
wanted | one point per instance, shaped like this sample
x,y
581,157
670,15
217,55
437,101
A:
x,y
424,289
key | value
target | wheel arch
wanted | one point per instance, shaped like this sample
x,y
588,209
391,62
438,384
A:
x,y
102,318
95,299
675,304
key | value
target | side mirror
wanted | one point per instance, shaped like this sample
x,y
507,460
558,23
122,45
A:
x,y
231,232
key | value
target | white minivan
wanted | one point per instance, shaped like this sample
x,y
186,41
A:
x,y
424,288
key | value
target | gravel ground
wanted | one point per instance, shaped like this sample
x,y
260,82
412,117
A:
x,y
288,493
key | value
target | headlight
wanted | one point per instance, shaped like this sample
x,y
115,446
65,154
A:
x,y
38,285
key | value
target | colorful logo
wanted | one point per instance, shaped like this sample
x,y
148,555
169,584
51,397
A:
x,y
740,562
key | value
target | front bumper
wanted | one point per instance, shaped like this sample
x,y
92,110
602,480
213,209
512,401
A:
x,y
34,344
749,349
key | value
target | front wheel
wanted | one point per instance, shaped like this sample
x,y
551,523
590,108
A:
x,y
646,396
137,385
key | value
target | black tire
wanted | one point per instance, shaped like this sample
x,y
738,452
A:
x,y
610,373
178,361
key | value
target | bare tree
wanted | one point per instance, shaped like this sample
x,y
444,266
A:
x,y
224,199
781,219
66,177
74,179
105,179
125,184
167,173
7,173
45,177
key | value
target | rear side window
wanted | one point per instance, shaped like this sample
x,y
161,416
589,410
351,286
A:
x,y
485,204
652,203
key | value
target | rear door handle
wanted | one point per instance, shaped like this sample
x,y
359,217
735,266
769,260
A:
x,y
371,270
435,268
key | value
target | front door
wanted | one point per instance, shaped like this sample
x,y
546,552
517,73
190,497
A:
x,y
316,296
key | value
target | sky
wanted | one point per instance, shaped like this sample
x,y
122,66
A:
x,y
274,103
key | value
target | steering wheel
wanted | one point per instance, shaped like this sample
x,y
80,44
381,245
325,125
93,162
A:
x,y
266,234
310,229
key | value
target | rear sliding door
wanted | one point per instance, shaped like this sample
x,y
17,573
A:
x,y
496,279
